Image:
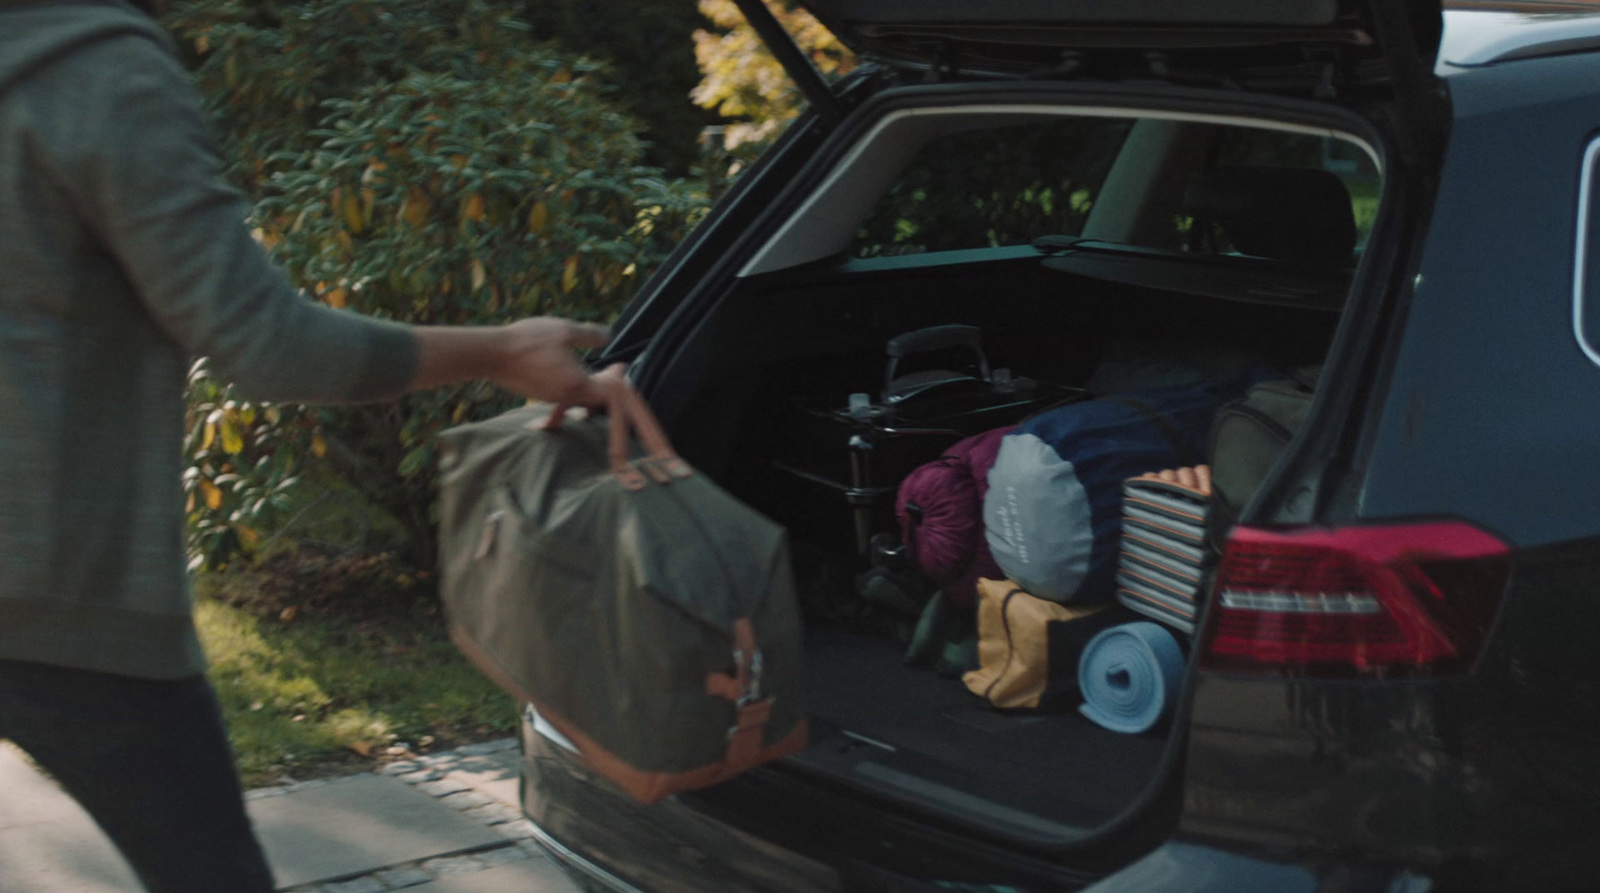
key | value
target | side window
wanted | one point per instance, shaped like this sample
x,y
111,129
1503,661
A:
x,y
994,187
1586,283
1245,146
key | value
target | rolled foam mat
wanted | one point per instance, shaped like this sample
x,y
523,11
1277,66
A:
x,y
1130,676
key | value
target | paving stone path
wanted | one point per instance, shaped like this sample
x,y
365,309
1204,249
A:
x,y
444,823
479,782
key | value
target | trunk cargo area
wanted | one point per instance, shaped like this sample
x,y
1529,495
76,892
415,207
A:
x,y
779,344
1055,772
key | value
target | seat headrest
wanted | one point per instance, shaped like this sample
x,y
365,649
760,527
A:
x,y
1295,214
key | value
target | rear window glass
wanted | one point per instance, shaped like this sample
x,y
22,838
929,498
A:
x,y
1001,186
1242,146
994,187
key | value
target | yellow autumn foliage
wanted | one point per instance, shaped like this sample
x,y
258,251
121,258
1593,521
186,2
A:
x,y
741,80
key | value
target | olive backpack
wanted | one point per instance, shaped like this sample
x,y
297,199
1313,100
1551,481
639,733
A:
x,y
1247,438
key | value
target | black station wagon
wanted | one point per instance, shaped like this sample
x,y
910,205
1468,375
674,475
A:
x,y
1029,168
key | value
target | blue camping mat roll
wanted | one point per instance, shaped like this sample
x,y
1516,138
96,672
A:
x,y
1130,676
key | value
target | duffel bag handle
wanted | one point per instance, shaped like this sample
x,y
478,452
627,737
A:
x,y
628,410
631,415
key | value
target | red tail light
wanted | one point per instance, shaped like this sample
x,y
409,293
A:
x,y
1397,598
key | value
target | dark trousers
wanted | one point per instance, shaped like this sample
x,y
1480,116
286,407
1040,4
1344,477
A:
x,y
150,761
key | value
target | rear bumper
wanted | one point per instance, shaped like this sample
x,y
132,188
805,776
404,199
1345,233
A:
x,y
599,879
679,846
668,847
770,830
671,847
1181,867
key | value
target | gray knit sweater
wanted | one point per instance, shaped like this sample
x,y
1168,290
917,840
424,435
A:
x,y
122,255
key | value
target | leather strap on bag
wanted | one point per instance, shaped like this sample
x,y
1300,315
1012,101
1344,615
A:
x,y
631,416
743,688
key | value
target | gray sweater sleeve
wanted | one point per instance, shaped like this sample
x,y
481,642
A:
x,y
137,158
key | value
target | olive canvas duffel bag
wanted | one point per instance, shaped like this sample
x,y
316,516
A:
x,y
648,615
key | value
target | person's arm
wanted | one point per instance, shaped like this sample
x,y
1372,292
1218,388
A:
x,y
131,150
143,171
533,358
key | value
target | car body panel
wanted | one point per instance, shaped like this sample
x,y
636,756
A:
x,y
1488,36
1489,327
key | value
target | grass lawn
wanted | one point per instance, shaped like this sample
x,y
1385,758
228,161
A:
x,y
357,672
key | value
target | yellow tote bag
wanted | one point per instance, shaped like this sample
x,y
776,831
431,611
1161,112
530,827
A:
x,y
1014,644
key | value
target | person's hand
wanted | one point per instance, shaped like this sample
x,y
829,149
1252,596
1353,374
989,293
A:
x,y
601,390
539,361
536,358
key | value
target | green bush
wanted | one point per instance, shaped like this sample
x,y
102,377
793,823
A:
x,y
423,160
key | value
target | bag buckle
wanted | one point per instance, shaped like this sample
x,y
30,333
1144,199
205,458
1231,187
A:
x,y
632,479
752,689
743,686
750,711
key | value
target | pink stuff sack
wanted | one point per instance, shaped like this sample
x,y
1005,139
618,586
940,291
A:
x,y
949,544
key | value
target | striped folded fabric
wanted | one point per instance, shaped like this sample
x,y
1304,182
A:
x,y
1163,537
